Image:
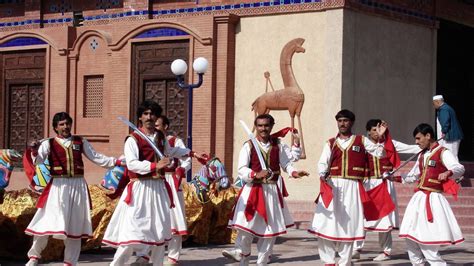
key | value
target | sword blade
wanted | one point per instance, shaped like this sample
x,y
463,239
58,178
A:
x,y
255,144
408,160
136,130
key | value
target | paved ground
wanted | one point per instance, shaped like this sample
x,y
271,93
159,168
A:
x,y
296,248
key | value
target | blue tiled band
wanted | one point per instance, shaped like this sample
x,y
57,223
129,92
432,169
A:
x,y
368,3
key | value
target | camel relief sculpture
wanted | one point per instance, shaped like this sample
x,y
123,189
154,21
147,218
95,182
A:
x,y
291,97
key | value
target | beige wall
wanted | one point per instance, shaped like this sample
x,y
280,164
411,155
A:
x,y
382,68
389,72
259,42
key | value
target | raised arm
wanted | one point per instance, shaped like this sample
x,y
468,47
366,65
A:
x,y
42,154
98,158
375,149
286,159
184,162
292,153
405,148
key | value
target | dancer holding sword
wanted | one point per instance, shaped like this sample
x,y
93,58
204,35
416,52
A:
x,y
142,216
260,210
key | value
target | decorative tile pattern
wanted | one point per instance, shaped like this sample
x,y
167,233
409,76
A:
x,y
397,9
229,7
107,4
94,44
62,6
161,32
22,41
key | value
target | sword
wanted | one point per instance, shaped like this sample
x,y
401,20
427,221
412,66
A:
x,y
136,130
405,163
255,145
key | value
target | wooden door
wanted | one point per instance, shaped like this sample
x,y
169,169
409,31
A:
x,y
22,99
152,79
26,114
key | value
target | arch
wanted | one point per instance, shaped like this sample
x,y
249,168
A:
x,y
106,37
154,25
39,36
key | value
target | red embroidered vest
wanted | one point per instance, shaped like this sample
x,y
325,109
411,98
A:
x,y
348,163
271,158
146,153
175,164
66,162
430,171
378,166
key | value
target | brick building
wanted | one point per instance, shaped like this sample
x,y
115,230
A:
x,y
98,59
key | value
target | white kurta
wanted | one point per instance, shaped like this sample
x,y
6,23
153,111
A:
x,y
343,220
444,229
178,215
391,221
66,213
146,221
278,218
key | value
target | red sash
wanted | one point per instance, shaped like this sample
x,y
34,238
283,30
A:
x,y
256,202
325,192
380,205
128,198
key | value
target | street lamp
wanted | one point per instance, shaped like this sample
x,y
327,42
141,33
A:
x,y
179,68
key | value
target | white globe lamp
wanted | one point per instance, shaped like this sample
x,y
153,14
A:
x,y
179,67
200,65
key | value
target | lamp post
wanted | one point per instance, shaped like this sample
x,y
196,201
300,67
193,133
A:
x,y
179,68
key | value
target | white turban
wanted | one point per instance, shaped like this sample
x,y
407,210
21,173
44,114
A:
x,y
438,97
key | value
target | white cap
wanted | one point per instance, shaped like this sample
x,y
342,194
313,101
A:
x,y
438,97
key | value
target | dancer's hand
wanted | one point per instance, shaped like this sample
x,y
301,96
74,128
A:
x,y
163,163
262,174
445,175
381,129
299,174
296,138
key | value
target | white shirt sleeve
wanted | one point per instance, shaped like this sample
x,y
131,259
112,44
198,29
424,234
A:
x,y
323,164
131,157
413,175
43,152
286,162
405,148
185,162
452,164
243,165
179,152
95,157
293,153
375,149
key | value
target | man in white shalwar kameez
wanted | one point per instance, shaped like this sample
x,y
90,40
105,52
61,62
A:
x,y
260,210
142,218
293,154
342,166
174,174
377,166
64,207
429,221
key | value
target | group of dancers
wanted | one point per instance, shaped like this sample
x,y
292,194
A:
x,y
357,194
150,212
